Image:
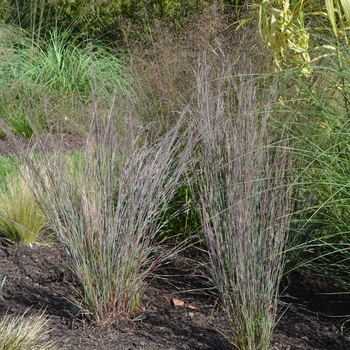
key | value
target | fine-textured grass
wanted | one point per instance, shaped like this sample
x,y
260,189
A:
x,y
7,168
63,66
322,144
26,332
56,75
107,211
163,61
21,219
245,198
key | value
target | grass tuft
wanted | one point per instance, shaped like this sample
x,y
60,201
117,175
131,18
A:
x,y
58,75
321,133
24,333
21,219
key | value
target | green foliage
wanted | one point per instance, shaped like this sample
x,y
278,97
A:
x,y
59,66
21,219
17,100
7,168
49,82
98,18
28,15
322,147
285,28
181,220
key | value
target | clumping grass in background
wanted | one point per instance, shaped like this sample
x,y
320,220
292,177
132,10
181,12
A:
x,y
108,215
54,75
25,332
322,145
21,218
63,66
245,196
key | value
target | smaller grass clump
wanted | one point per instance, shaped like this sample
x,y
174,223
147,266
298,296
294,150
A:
x,y
62,66
25,332
21,219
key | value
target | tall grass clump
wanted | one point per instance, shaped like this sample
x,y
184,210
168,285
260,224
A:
x,y
244,194
21,218
322,144
106,209
25,333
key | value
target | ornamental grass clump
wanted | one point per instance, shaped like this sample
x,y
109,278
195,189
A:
x,y
245,196
106,209
50,80
21,218
322,142
25,333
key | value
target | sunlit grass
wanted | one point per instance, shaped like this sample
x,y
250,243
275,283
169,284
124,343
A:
x,y
26,332
322,145
21,219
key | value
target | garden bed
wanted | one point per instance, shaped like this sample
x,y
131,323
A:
x,y
38,278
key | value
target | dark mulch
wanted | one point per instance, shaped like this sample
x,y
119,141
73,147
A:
x,y
38,278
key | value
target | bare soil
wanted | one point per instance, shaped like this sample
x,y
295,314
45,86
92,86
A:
x,y
37,278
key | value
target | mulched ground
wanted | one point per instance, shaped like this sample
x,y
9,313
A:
x,y
38,278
